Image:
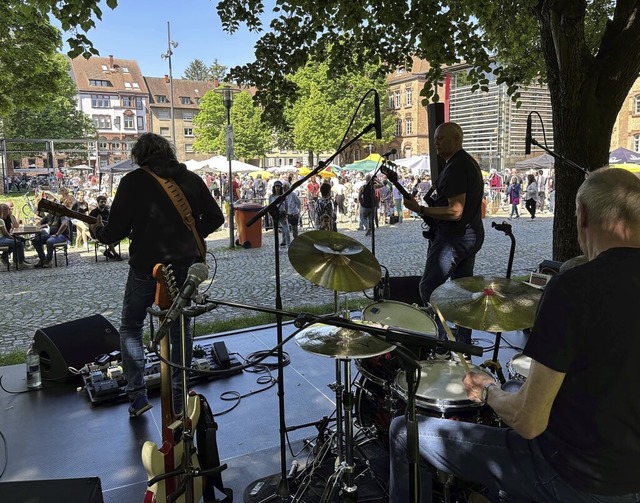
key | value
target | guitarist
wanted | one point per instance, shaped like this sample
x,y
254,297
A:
x,y
142,211
456,208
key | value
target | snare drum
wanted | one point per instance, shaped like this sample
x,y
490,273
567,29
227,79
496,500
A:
x,y
441,392
518,367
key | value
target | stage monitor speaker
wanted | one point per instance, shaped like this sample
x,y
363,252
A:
x,y
83,490
435,117
405,289
74,343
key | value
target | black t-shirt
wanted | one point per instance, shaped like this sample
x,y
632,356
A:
x,y
587,327
461,174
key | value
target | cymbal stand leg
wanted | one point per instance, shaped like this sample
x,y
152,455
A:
x,y
350,491
337,388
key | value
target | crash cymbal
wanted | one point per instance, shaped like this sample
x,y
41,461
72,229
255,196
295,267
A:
x,y
339,342
334,261
486,303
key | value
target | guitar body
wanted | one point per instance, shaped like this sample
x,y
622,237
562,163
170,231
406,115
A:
x,y
392,176
158,460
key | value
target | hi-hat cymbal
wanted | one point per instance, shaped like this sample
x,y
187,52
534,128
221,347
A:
x,y
334,261
486,303
339,342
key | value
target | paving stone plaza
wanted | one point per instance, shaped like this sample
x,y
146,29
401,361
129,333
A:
x,y
37,298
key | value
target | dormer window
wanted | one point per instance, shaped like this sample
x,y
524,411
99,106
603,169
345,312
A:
x,y
185,100
161,98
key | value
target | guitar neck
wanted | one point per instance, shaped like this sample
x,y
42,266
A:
x,y
60,209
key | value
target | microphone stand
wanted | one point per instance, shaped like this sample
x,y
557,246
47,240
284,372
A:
x,y
283,491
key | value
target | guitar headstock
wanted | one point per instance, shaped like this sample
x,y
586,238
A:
x,y
166,288
52,207
389,173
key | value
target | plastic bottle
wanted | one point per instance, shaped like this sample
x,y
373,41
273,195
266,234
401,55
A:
x,y
34,378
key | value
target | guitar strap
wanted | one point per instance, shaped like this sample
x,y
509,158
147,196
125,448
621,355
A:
x,y
177,197
208,456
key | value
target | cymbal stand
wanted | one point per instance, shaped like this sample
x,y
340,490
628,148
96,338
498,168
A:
x,y
494,364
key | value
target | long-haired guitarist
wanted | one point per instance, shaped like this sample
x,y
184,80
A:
x,y
142,211
456,209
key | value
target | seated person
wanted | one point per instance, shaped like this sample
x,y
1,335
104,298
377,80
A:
x,y
54,229
6,239
573,432
82,229
103,210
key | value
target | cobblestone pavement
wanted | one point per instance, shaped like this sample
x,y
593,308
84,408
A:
x,y
37,298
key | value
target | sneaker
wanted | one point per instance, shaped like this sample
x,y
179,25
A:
x,y
139,406
46,264
25,265
38,263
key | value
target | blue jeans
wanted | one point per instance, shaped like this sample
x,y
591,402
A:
x,y
450,257
366,217
497,458
17,247
49,240
139,293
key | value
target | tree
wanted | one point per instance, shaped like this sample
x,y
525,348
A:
x,y
29,75
323,108
251,137
587,52
197,70
217,71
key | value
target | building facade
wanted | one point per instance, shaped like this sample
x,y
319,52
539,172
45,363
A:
x,y
626,130
113,93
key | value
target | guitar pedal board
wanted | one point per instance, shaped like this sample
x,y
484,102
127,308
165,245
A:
x,y
105,381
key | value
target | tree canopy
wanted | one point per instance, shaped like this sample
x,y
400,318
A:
x,y
197,70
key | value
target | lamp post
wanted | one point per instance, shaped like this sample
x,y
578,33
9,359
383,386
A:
x,y
167,55
227,101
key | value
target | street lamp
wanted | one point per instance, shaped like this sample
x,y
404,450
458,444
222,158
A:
x,y
227,101
167,55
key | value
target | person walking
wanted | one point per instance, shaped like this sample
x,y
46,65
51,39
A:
x,y
513,192
531,196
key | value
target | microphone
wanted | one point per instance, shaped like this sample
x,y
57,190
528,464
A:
x,y
527,136
378,121
393,151
504,227
197,273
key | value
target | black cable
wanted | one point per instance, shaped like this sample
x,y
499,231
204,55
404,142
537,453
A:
x,y
6,454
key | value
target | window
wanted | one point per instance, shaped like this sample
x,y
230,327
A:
x,y
188,147
139,103
99,101
396,99
164,131
398,127
101,121
127,101
128,122
391,101
197,98
408,125
188,131
99,83
116,122
140,122
636,142
637,105
161,98
124,69
104,68
127,85
185,100
163,114
408,95
115,146
135,85
187,116
102,145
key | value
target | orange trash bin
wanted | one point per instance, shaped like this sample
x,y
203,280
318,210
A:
x,y
248,237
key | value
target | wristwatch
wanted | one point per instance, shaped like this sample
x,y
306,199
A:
x,y
485,391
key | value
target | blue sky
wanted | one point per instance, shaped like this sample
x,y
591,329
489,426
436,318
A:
x,y
137,29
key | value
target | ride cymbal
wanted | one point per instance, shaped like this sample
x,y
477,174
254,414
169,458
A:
x,y
340,342
334,261
486,303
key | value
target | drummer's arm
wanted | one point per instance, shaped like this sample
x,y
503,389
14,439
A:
x,y
528,410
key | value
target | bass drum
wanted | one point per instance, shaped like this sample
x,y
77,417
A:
x,y
383,369
441,393
375,407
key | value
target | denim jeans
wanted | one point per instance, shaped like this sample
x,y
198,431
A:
x,y
497,458
450,257
139,294
366,217
49,240
17,247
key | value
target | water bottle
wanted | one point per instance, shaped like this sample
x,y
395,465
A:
x,y
34,379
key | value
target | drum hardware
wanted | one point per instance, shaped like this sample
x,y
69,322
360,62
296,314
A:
x,y
518,367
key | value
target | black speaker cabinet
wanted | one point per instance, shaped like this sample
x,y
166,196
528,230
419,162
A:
x,y
84,490
435,117
405,289
74,343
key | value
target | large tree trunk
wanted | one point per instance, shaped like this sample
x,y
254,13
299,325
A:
x,y
586,94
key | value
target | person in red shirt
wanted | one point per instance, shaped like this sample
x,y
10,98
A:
x,y
313,189
235,183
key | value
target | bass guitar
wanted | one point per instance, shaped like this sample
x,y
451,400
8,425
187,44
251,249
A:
x,y
392,176
169,457
61,209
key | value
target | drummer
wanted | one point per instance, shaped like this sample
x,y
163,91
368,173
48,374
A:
x,y
574,434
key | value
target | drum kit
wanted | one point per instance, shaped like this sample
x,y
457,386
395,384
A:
x,y
342,264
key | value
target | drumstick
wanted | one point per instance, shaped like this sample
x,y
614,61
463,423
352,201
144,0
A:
x,y
463,360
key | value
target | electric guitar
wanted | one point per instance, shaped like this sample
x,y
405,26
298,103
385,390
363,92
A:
x,y
61,209
392,176
158,461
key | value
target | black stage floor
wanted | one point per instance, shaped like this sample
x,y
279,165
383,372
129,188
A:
x,y
55,432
